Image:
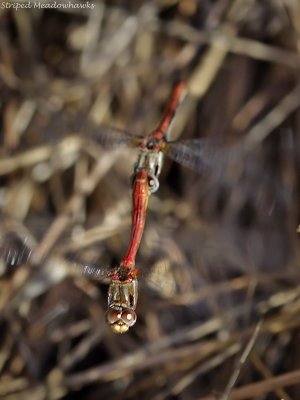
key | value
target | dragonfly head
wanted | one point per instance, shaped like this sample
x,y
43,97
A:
x,y
120,320
122,299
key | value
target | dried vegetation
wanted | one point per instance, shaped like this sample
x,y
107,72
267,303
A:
x,y
219,304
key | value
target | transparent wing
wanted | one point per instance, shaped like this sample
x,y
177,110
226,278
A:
x,y
17,248
64,125
14,251
110,138
200,155
16,245
230,165
87,264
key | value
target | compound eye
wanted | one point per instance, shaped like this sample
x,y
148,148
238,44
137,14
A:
x,y
129,317
113,316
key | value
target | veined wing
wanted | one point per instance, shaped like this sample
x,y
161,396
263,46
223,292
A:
x,y
88,265
14,251
110,138
17,248
204,156
200,155
16,245
79,125
36,279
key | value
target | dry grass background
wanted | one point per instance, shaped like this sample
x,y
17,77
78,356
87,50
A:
x,y
218,311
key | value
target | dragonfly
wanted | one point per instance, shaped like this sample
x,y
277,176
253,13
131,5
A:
x,y
123,289
195,154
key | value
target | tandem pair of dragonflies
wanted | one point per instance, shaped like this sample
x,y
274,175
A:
x,y
194,154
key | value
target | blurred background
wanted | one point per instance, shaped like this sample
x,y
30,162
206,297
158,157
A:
x,y
219,297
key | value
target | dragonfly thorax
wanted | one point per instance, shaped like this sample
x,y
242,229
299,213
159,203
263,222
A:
x,y
154,141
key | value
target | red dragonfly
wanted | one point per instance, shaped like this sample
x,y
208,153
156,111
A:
x,y
123,289
195,154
